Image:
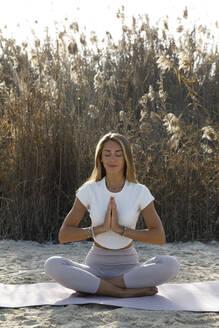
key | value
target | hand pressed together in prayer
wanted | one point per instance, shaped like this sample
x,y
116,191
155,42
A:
x,y
111,218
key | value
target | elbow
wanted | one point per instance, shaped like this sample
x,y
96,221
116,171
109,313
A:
x,y
162,242
162,239
61,238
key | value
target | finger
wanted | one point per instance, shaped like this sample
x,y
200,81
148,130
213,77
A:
x,y
113,203
109,208
114,214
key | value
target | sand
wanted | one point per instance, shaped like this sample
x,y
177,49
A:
x,y
23,261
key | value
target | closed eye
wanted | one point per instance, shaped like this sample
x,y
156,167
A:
x,y
119,154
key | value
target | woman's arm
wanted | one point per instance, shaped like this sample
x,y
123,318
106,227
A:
x,y
154,234
69,231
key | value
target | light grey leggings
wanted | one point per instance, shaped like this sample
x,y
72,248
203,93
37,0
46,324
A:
x,y
102,263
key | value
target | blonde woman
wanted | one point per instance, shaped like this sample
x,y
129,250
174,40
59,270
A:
x,y
114,200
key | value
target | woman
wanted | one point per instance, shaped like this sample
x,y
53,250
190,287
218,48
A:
x,y
114,200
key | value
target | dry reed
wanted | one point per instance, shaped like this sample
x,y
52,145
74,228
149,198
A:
x,y
58,99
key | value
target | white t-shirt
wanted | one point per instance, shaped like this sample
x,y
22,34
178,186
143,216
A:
x,y
130,201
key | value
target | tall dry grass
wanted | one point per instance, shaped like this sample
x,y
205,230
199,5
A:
x,y
57,99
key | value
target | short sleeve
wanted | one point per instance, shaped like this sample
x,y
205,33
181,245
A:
x,y
83,194
146,197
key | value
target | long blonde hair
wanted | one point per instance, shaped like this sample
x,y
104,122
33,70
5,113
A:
x,y
99,171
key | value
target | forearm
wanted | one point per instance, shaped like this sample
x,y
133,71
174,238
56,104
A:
x,y
69,234
152,236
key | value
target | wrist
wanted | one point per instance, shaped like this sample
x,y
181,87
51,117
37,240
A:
x,y
122,230
91,232
98,230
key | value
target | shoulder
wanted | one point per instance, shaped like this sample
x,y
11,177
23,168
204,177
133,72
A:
x,y
90,185
138,187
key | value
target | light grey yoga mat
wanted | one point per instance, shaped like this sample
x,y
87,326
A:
x,y
199,296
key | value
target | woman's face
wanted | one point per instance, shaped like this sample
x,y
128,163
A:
x,y
113,158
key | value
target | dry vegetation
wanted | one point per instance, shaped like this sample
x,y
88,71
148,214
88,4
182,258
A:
x,y
57,99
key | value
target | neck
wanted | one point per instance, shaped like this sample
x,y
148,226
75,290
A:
x,y
115,182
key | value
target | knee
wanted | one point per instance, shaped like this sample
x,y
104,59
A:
x,y
51,264
171,266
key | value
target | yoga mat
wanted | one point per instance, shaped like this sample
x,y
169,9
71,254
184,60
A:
x,y
198,296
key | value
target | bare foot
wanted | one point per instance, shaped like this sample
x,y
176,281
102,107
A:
x,y
144,291
138,292
108,289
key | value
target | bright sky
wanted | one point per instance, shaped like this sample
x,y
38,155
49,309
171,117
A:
x,y
99,15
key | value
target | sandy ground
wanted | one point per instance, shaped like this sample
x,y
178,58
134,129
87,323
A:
x,y
23,261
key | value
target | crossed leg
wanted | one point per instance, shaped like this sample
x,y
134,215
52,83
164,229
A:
x,y
139,281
